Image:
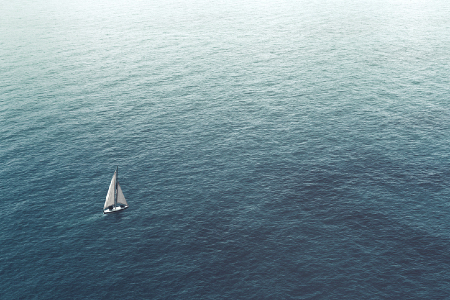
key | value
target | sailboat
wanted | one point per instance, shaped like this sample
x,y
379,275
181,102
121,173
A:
x,y
115,200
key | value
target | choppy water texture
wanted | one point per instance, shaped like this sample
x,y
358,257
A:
x,y
267,149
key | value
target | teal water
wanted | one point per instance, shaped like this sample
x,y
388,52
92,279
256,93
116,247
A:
x,y
268,150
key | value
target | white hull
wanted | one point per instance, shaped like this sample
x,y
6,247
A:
x,y
115,209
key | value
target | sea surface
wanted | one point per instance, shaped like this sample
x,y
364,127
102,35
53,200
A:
x,y
267,149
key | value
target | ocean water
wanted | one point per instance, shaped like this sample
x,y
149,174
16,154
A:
x,y
268,149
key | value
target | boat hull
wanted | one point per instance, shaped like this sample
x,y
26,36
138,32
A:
x,y
115,209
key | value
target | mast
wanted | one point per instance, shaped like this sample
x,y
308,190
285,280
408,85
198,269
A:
x,y
115,189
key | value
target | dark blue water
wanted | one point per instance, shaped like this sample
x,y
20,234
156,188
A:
x,y
268,150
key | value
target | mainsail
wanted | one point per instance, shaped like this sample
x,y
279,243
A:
x,y
110,196
120,196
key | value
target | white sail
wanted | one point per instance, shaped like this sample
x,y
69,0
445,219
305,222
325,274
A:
x,y
120,196
110,196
